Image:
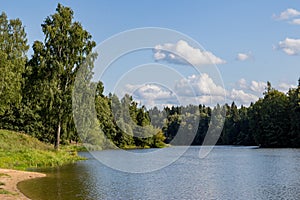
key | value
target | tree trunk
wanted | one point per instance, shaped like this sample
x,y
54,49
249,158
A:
x,y
57,139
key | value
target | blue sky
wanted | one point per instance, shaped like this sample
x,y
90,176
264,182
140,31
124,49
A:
x,y
258,41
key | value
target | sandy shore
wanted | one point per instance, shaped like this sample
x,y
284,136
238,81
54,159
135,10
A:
x,y
9,180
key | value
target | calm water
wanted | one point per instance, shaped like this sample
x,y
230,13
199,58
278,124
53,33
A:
x,y
226,173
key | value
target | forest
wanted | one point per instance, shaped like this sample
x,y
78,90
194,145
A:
x,y
272,121
36,98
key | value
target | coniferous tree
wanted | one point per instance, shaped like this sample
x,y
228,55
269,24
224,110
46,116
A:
x,y
294,114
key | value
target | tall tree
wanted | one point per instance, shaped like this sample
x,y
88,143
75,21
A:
x,y
56,61
294,114
13,48
269,119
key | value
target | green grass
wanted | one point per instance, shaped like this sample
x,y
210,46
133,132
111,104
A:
x,y
6,175
21,151
2,191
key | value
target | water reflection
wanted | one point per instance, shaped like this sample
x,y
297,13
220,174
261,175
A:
x,y
227,173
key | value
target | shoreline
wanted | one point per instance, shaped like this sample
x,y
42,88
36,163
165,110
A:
x,y
9,180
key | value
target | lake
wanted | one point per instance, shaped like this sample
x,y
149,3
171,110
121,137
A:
x,y
225,173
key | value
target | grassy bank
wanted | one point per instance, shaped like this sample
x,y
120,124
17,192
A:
x,y
21,151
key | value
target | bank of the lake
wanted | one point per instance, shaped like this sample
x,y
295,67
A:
x,y
8,183
20,151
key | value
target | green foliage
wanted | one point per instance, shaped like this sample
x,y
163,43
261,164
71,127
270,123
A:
x,y
36,98
21,151
46,84
272,121
124,124
52,69
294,115
13,48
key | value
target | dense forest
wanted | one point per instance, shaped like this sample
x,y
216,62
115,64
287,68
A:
x,y
272,121
36,98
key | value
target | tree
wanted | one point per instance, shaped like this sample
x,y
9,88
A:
x,y
54,64
245,136
269,119
231,125
294,115
13,48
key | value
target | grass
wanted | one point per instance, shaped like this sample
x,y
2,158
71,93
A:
x,y
2,174
2,191
21,151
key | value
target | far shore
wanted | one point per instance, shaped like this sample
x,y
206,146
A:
x,y
8,183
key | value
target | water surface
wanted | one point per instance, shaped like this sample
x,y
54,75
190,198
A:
x,y
226,173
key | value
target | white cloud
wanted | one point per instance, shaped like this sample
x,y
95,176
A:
x,y
149,91
196,89
287,14
254,86
247,92
183,53
242,97
243,56
284,87
151,95
204,90
199,85
295,21
258,86
200,89
159,55
211,100
290,46
242,83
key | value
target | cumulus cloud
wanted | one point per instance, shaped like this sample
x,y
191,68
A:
x,y
203,89
290,46
246,92
243,56
151,95
254,86
258,86
200,89
242,97
284,87
287,14
196,89
182,53
242,83
295,21
149,91
199,85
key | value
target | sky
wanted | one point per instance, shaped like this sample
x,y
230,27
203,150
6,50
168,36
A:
x,y
227,52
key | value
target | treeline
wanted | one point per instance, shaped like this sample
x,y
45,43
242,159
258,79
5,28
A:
x,y
272,121
36,92
36,98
